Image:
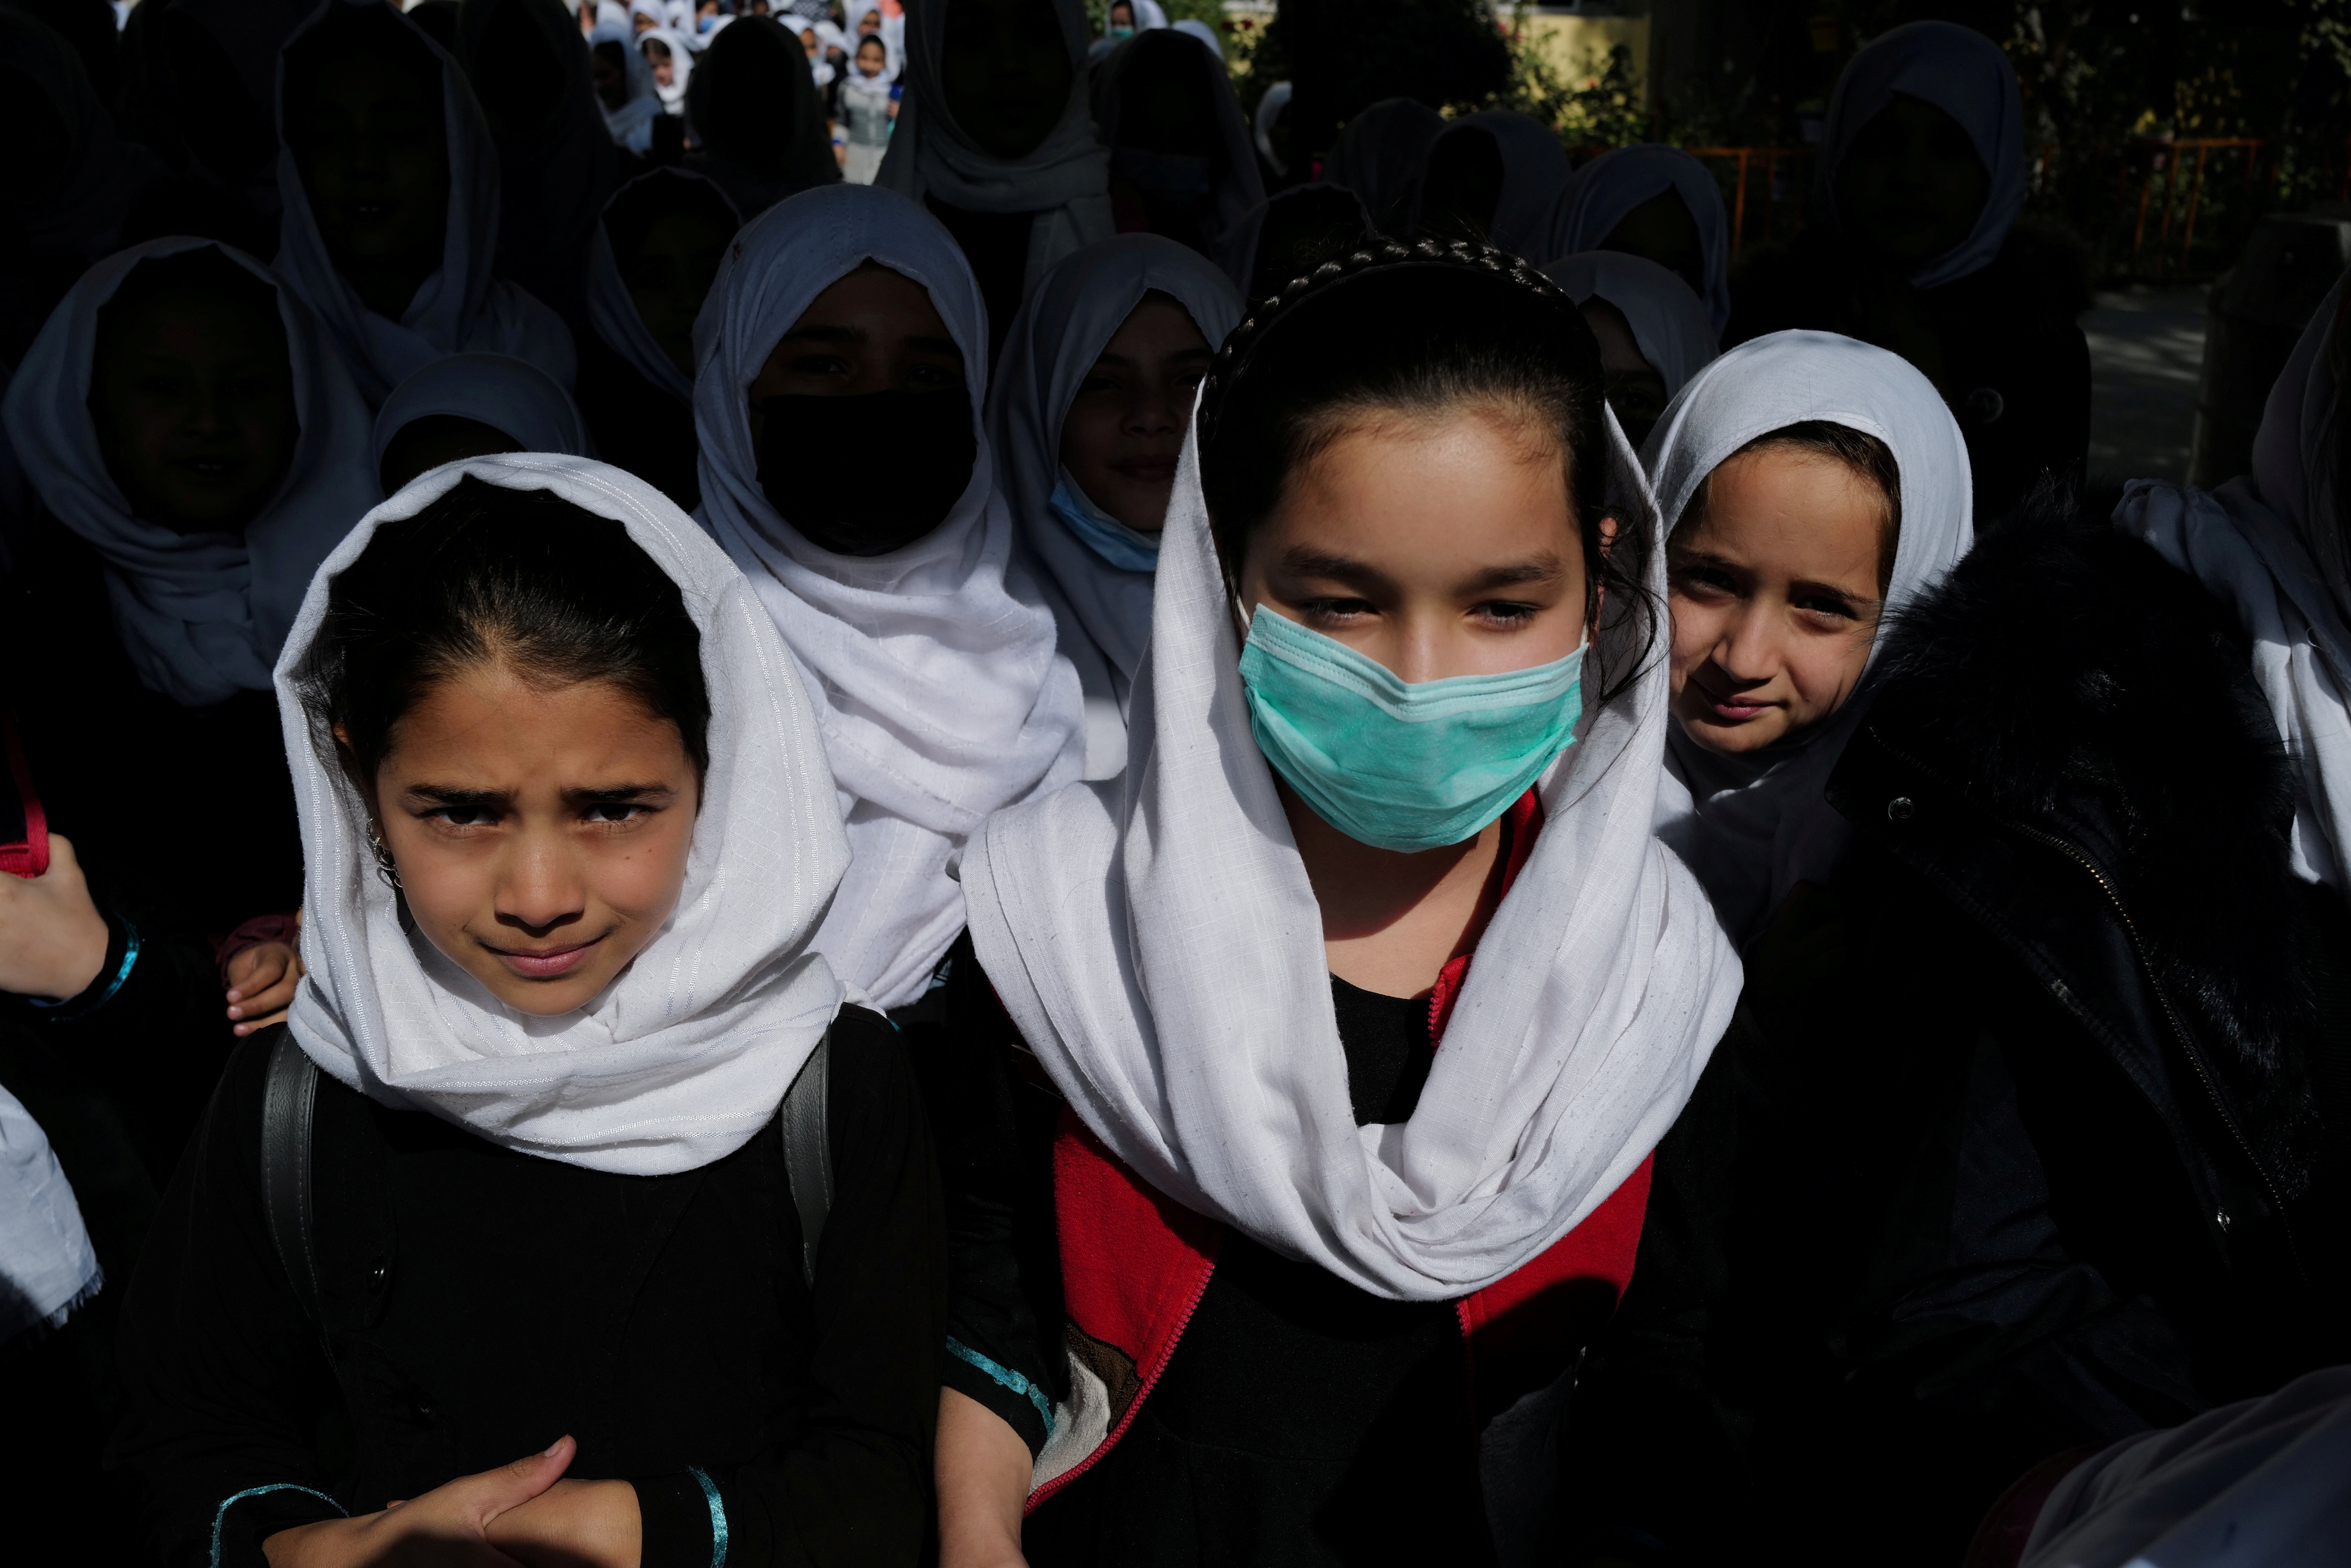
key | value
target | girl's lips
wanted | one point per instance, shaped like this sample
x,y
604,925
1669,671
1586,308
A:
x,y
1730,710
545,966
1147,470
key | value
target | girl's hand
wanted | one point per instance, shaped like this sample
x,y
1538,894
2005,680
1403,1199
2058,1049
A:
x,y
52,937
261,986
574,1525
449,1524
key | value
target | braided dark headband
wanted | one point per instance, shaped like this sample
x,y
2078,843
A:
x,y
1377,258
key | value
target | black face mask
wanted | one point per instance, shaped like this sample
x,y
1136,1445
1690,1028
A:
x,y
806,449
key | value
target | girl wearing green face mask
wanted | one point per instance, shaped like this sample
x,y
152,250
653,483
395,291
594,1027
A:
x,y
1246,1264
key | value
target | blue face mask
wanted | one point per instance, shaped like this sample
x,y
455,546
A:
x,y
1129,550
1394,765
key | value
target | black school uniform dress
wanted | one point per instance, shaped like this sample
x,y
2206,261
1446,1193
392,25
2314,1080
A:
x,y
1301,1420
479,1304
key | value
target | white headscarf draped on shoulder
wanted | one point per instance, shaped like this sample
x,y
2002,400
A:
x,y
1103,611
1065,182
1605,189
464,305
1669,323
1968,77
1157,942
200,615
1753,826
686,1055
48,1266
2272,547
932,668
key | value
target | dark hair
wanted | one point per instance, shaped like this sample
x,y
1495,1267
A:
x,y
1418,328
522,577
1867,458
1303,227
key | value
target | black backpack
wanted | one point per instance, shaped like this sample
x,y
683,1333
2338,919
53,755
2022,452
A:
x,y
290,1101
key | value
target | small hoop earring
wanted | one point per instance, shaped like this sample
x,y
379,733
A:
x,y
385,866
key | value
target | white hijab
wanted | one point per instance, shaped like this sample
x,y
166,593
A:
x,y
47,1266
1103,612
1669,323
1755,825
631,124
681,60
1535,170
932,668
688,1052
612,309
1239,187
1968,77
2273,549
1157,942
520,402
2258,1484
464,305
1065,182
200,615
1604,191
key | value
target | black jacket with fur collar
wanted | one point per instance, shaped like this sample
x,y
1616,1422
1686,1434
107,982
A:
x,y
2031,1131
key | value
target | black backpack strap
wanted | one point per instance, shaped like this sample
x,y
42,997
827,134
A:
x,y
808,1151
290,1101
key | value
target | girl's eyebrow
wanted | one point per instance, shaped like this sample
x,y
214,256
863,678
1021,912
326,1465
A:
x,y
1542,568
1833,591
451,795
1305,562
620,794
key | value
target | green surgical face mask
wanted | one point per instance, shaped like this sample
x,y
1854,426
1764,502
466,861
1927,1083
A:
x,y
1397,765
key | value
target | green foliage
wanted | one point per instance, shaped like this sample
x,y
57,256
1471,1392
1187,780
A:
x,y
1599,104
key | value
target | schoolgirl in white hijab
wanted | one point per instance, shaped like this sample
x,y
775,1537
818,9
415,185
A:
x,y
686,1055
1668,322
1192,1029
201,615
1968,77
1238,186
1609,187
1534,168
631,124
671,93
1065,181
1753,825
931,667
2272,547
1102,605
464,305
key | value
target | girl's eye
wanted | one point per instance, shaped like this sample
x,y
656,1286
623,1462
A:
x,y
1827,604
465,816
935,376
609,812
1704,579
1335,609
1508,613
821,365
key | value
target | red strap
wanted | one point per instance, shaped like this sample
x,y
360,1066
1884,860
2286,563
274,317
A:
x,y
30,858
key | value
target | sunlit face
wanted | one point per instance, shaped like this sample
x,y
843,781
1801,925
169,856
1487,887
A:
x,y
192,398
1776,596
375,159
873,330
1636,390
1662,230
1006,72
540,834
670,275
1438,546
1125,427
1911,187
